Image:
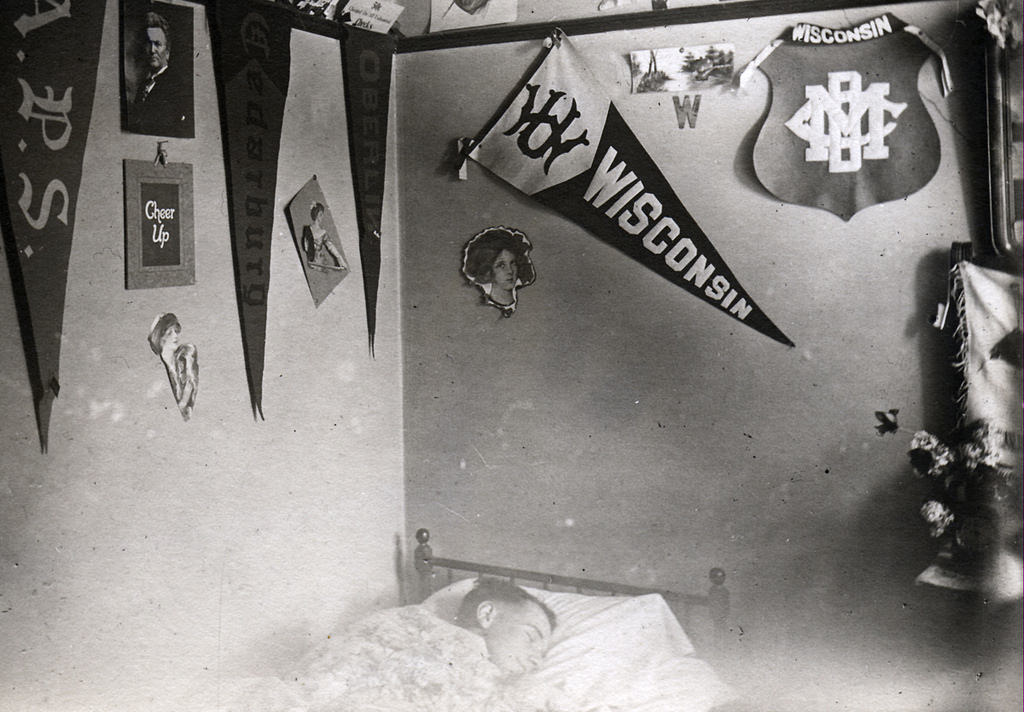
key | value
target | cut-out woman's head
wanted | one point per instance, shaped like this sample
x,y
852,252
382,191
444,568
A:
x,y
497,260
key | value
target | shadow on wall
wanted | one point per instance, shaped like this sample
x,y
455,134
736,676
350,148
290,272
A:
x,y
743,163
855,633
939,378
844,622
968,120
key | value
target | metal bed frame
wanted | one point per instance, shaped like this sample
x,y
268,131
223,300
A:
x,y
716,600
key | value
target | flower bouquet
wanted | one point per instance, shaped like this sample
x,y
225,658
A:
x,y
1003,20
974,510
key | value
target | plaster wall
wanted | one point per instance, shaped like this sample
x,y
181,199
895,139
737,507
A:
x,y
144,559
617,427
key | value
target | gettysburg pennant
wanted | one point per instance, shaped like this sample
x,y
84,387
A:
x,y
367,67
48,78
253,59
562,141
847,127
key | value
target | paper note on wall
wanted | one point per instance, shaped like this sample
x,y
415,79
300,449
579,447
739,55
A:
x,y
372,15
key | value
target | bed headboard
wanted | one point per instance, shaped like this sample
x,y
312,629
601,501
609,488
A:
x,y
429,576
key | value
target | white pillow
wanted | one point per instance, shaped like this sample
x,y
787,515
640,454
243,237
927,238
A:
x,y
444,602
642,623
577,614
624,652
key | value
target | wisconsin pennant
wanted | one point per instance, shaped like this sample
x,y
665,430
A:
x,y
847,127
562,141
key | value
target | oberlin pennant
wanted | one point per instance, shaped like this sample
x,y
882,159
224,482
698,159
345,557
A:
x,y
366,60
47,81
562,141
847,127
253,58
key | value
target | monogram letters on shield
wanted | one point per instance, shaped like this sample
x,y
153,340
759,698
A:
x,y
832,119
847,127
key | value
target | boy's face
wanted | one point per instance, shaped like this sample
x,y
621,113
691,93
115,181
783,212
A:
x,y
517,635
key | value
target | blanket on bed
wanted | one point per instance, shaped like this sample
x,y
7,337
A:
x,y
411,660
397,660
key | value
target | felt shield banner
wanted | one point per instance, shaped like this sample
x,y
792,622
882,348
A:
x,y
47,81
366,60
253,58
562,141
847,127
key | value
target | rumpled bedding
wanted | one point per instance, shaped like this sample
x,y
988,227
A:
x,y
607,655
396,660
625,654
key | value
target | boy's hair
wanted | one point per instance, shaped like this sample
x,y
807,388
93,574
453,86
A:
x,y
498,591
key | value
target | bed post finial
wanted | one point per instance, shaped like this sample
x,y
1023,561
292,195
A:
x,y
421,561
718,602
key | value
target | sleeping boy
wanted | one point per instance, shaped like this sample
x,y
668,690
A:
x,y
410,659
515,625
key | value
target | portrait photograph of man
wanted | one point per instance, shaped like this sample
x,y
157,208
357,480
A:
x,y
157,60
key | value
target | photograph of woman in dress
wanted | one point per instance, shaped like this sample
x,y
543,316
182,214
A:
x,y
320,251
317,240
497,261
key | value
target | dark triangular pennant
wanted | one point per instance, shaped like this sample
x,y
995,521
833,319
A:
x,y
253,58
48,76
562,141
366,60
678,250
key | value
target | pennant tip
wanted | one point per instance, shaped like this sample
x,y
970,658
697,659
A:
x,y
44,406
